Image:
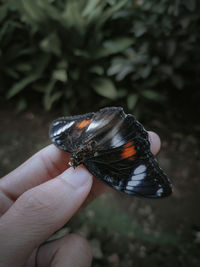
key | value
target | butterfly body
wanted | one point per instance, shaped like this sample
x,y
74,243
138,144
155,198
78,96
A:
x,y
115,148
82,154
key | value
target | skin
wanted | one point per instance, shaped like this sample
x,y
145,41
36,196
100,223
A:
x,y
38,198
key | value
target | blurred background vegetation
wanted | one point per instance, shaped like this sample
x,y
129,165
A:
x,y
60,57
92,53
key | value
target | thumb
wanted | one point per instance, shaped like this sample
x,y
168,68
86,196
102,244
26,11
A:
x,y
39,212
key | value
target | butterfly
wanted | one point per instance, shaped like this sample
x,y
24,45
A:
x,y
115,148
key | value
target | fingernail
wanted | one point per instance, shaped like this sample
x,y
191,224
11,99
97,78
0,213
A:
x,y
155,142
77,177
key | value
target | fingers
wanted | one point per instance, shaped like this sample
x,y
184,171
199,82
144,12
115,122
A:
x,y
98,188
44,165
155,142
72,250
54,202
39,212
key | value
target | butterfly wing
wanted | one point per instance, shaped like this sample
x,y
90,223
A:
x,y
69,133
122,157
142,178
128,165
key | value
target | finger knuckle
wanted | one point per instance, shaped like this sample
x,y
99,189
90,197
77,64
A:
x,y
35,201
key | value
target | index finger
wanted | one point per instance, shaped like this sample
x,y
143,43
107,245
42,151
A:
x,y
41,167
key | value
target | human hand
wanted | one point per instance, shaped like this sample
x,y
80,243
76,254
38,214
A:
x,y
36,200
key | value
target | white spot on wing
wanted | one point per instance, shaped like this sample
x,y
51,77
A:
x,y
117,140
56,123
140,169
92,126
134,183
63,128
129,187
159,192
138,177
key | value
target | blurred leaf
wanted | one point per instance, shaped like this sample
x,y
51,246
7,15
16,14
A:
x,y
11,72
51,44
166,69
22,84
81,53
4,29
124,72
112,2
60,75
171,45
145,71
116,66
32,10
109,12
139,28
153,95
132,100
49,97
97,70
49,10
178,81
75,74
190,4
3,11
120,67
105,87
72,16
90,7
54,98
23,67
19,86
21,105
121,93
114,46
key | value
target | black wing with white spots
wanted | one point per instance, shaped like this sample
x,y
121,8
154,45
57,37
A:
x,y
115,148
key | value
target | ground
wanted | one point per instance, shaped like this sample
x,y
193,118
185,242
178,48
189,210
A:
x,y
125,230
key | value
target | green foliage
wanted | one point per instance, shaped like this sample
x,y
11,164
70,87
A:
x,y
74,52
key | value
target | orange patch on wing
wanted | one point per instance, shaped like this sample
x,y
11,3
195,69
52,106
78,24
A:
x,y
128,151
83,124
